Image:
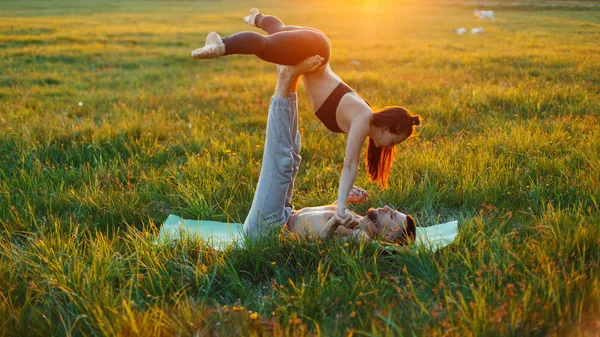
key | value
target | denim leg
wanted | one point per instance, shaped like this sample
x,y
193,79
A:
x,y
268,206
296,146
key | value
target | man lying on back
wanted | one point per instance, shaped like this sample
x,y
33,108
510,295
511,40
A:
x,y
271,206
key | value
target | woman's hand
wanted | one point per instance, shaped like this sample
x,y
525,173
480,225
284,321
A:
x,y
357,195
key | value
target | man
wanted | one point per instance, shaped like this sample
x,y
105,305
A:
x,y
272,206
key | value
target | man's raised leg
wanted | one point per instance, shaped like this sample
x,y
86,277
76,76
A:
x,y
296,145
268,206
277,173
305,66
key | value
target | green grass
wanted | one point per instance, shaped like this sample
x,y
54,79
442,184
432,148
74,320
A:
x,y
510,147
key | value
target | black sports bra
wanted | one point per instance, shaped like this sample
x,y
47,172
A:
x,y
326,112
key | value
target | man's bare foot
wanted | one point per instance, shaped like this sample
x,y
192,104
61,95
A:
x,y
250,19
308,65
214,47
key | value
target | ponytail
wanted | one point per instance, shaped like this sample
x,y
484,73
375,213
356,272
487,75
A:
x,y
379,163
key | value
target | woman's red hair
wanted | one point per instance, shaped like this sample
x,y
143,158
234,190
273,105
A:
x,y
380,159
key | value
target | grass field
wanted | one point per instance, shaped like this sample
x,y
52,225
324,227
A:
x,y
510,147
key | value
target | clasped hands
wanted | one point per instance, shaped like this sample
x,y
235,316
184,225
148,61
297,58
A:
x,y
356,196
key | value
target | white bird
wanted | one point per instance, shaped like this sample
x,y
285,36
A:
x,y
484,15
477,30
460,31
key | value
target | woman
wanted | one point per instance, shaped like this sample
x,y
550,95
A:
x,y
334,102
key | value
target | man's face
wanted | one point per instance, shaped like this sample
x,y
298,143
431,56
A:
x,y
387,222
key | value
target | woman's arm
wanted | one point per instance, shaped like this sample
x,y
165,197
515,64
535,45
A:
x,y
356,137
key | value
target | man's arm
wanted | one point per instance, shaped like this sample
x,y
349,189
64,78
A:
x,y
331,227
320,208
345,232
356,234
339,225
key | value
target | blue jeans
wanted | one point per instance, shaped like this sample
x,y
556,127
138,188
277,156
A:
x,y
271,206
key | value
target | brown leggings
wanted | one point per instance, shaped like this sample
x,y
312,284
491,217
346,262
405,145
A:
x,y
285,45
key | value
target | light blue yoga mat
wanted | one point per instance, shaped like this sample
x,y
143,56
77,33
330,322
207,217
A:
x,y
221,234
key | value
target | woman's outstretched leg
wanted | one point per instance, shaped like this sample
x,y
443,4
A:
x,y
214,47
287,45
269,24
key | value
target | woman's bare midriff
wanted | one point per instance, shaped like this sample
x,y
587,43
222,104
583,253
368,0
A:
x,y
320,84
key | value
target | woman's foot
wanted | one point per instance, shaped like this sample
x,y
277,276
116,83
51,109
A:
x,y
251,19
214,47
308,65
